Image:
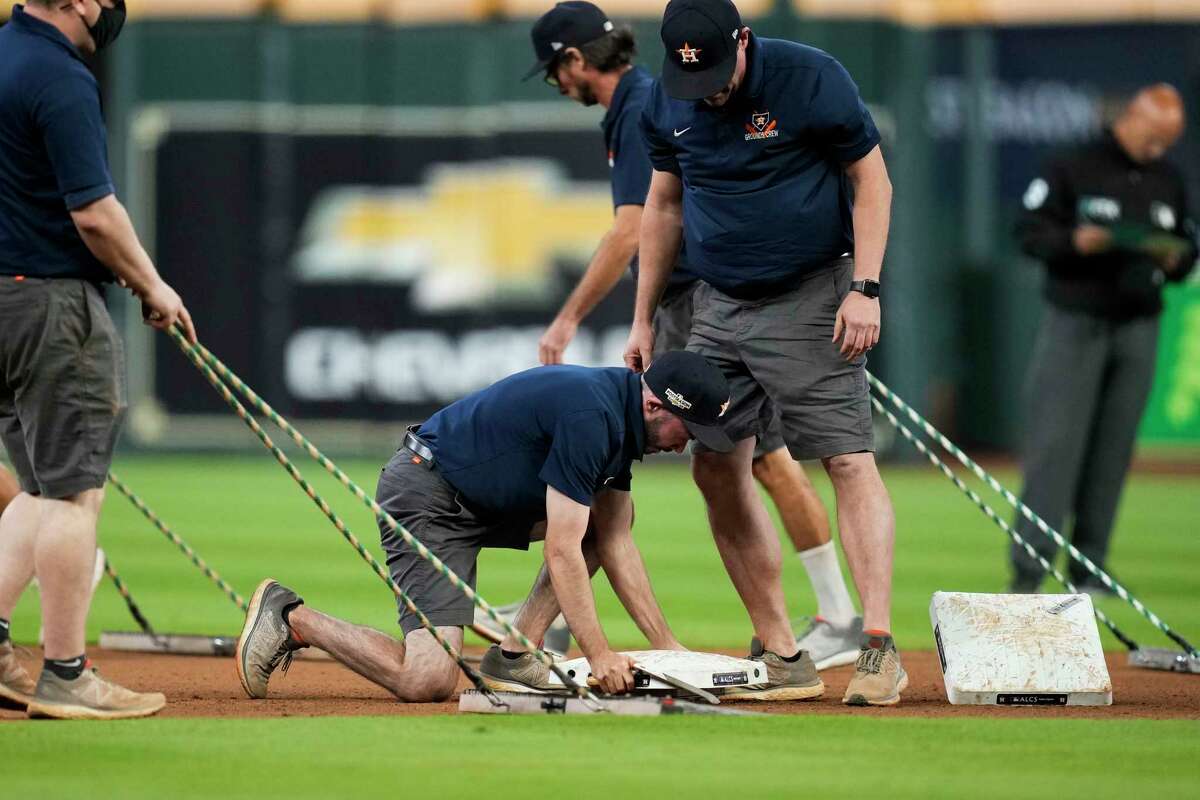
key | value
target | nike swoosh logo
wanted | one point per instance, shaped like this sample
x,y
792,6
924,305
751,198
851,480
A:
x,y
682,132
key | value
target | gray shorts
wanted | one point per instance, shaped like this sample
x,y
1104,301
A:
x,y
778,351
433,511
673,328
62,384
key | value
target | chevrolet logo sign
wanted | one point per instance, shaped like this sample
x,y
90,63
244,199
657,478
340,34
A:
x,y
470,233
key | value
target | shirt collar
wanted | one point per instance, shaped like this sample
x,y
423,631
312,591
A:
x,y
635,423
36,27
755,74
624,86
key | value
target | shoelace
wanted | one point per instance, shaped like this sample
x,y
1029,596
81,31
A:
x,y
283,660
870,660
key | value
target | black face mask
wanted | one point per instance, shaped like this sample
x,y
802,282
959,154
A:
x,y
108,26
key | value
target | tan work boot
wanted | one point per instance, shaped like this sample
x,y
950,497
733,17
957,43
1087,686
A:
x,y
90,697
15,684
879,677
786,680
524,674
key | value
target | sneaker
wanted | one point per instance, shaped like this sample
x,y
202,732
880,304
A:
x,y
524,674
90,697
786,680
15,684
878,676
831,645
556,642
266,639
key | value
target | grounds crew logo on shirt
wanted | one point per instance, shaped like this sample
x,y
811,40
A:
x,y
676,399
689,54
761,126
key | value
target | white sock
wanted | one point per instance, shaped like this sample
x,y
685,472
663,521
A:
x,y
833,599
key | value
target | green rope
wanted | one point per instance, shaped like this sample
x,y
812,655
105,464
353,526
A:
x,y
211,362
192,555
994,517
1030,515
123,590
197,355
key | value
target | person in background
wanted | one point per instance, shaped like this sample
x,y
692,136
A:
x,y
1110,222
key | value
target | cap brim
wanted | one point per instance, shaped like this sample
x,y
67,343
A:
x,y
539,66
685,84
711,436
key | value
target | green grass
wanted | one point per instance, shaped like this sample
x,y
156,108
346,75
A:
x,y
247,518
448,757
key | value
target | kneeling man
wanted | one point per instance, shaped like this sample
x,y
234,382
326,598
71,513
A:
x,y
544,453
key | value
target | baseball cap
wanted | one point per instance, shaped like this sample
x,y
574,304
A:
x,y
694,390
701,40
568,24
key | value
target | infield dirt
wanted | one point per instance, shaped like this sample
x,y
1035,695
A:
x,y
199,686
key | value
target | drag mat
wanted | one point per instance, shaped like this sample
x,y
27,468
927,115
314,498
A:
x,y
198,686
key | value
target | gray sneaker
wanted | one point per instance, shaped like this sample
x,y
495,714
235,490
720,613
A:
x,y
90,697
786,680
15,684
556,642
831,645
266,639
524,674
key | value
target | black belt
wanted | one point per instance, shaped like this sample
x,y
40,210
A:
x,y
419,448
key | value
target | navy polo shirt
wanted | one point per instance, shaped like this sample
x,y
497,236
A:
x,y
631,170
53,152
577,429
765,194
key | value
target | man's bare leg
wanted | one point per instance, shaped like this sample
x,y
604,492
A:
x,y
746,540
64,559
416,670
868,531
801,510
9,488
806,521
18,535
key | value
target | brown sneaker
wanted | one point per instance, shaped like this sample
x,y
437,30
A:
x,y
878,677
15,684
786,680
90,697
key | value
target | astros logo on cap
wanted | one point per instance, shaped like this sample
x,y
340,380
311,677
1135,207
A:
x,y
689,54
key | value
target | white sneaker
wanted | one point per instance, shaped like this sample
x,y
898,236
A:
x,y
831,645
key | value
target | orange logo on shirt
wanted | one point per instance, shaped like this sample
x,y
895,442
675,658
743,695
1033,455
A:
x,y
761,126
689,54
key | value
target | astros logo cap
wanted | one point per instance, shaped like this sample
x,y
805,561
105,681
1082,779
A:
x,y
568,24
701,40
695,390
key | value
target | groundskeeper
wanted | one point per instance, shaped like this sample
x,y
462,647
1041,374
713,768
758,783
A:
x,y
589,59
545,453
63,234
758,146
1110,221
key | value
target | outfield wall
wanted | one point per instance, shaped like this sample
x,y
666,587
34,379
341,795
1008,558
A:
x,y
361,210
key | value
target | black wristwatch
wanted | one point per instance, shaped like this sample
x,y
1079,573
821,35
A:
x,y
868,287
